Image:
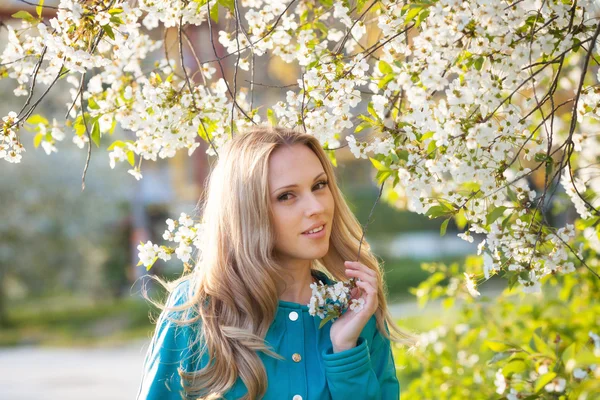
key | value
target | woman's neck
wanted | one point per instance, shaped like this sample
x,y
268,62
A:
x,y
296,288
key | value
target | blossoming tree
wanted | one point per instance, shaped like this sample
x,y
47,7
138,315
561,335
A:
x,y
484,112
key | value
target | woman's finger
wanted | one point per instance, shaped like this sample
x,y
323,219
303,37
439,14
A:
x,y
361,275
359,266
367,287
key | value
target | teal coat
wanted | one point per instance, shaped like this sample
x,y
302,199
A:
x,y
365,372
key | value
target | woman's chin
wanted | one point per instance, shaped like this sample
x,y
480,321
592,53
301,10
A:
x,y
319,253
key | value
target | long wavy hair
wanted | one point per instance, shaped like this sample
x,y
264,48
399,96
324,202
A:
x,y
233,287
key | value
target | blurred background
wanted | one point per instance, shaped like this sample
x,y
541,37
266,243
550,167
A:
x,y
72,320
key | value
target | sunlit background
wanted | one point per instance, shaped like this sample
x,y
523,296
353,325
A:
x,y
72,320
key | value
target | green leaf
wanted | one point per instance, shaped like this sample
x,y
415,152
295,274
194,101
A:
x,y
114,11
116,143
444,226
24,15
92,104
540,157
79,126
322,27
37,140
385,68
431,148
108,31
39,8
402,154
378,165
325,320
96,133
371,111
544,380
385,80
427,135
202,132
422,17
586,356
271,117
514,367
362,126
438,211
113,126
37,119
497,346
360,4
381,176
479,63
495,214
541,346
549,166
214,13
228,4
412,12
498,356
116,20
460,219
332,158
569,353
131,157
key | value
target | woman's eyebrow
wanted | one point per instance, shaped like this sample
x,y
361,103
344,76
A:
x,y
295,185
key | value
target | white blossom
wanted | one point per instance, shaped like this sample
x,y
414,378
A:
x,y
471,285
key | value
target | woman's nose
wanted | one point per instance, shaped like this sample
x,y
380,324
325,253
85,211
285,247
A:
x,y
314,205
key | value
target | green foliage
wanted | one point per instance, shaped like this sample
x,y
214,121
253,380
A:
x,y
75,322
513,344
24,15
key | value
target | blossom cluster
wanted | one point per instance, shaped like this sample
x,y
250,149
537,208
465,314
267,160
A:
x,y
183,231
10,147
329,302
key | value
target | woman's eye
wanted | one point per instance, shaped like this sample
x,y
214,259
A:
x,y
284,197
324,183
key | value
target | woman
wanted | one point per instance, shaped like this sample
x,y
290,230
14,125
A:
x,y
239,326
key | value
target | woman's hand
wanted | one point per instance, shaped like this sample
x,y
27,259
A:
x,y
346,329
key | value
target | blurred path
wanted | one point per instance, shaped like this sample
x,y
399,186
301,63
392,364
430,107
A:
x,y
38,373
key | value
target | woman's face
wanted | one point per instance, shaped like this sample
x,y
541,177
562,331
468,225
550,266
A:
x,y
300,201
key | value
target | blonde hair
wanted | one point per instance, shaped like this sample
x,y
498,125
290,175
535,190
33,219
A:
x,y
233,289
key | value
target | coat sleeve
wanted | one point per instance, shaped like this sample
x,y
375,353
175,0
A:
x,y
169,349
363,373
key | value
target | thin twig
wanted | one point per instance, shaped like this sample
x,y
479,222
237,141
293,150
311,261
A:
x,y
34,80
369,219
189,85
252,82
87,131
341,44
44,6
252,43
212,42
569,140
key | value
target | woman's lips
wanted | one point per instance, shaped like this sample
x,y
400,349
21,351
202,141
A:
x,y
316,235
